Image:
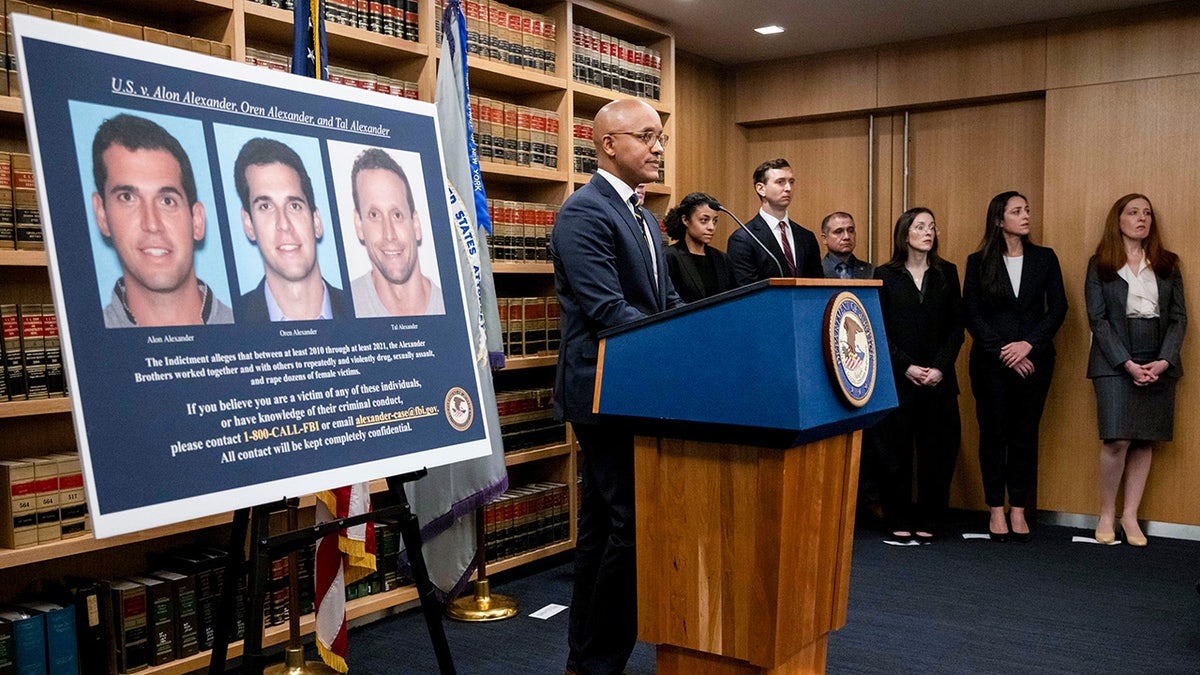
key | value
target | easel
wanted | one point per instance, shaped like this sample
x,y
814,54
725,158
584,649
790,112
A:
x,y
265,547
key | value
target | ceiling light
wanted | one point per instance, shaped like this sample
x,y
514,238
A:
x,y
769,30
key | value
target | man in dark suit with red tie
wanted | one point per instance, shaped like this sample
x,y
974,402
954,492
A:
x,y
609,269
771,245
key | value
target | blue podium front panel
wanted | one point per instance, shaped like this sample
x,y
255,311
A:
x,y
749,360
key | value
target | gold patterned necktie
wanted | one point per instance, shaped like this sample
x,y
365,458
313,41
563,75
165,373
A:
x,y
637,215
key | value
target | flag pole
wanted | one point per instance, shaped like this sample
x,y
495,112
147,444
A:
x,y
293,655
482,604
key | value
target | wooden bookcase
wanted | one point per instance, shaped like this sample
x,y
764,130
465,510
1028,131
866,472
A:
x,y
40,427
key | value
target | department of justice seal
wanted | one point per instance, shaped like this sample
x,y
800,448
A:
x,y
849,347
459,410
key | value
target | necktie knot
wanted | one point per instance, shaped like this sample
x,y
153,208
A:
x,y
843,270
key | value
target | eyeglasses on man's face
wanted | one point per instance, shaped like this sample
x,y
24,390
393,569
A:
x,y
646,137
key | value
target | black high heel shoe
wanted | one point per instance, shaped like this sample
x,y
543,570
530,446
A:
x,y
998,536
1022,537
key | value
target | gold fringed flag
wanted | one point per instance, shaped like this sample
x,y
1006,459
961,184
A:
x,y
348,556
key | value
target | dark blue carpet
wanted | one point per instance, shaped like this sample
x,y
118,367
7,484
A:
x,y
1049,606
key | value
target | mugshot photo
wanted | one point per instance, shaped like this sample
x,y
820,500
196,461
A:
x,y
386,231
152,221
281,226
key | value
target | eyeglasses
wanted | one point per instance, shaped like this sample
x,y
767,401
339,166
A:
x,y
646,137
922,227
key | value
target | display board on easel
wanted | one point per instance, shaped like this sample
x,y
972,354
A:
x,y
177,232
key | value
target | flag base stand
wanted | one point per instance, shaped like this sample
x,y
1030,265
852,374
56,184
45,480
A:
x,y
482,605
265,547
294,664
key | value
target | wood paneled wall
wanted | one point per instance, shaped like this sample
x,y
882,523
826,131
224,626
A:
x,y
959,158
702,130
1073,113
1104,141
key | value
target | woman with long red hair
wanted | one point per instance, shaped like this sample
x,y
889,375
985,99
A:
x,y
1134,295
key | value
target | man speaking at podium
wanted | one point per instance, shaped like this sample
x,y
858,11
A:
x,y
609,270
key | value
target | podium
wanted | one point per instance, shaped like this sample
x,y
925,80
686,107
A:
x,y
746,465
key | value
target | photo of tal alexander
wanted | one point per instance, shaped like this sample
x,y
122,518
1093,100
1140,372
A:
x,y
387,224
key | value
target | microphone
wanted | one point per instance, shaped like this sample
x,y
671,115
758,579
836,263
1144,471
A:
x,y
714,204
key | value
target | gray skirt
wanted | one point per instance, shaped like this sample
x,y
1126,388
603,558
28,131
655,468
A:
x,y
1127,411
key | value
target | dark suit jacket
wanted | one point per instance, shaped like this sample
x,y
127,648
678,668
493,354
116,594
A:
x,y
926,333
685,274
1110,333
751,263
604,278
1034,317
253,306
859,269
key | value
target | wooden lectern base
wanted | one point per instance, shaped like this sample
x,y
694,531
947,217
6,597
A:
x,y
809,661
743,552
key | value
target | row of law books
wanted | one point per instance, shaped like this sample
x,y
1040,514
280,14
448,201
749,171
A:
x,y
617,65
394,18
530,326
337,74
583,149
20,218
525,519
520,230
517,135
42,499
509,35
388,576
31,365
11,86
527,419
85,626
38,637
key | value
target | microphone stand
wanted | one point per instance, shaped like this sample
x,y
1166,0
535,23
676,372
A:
x,y
742,225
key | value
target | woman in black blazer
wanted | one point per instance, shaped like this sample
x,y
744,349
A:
x,y
1134,294
922,315
697,269
1014,302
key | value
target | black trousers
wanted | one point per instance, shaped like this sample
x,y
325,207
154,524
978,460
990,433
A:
x,y
1009,410
927,422
602,630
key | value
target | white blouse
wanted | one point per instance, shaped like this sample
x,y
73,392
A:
x,y
1142,301
1014,265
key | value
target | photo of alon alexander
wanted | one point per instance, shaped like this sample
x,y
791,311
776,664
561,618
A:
x,y
147,210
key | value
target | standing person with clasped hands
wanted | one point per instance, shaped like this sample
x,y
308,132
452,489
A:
x,y
1014,303
1134,294
922,313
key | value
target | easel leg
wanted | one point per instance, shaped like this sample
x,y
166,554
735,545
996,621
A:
x,y
253,661
410,530
233,571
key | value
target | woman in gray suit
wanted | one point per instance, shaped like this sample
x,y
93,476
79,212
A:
x,y
1134,295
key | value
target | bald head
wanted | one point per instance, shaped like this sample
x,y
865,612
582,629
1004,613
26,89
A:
x,y
618,130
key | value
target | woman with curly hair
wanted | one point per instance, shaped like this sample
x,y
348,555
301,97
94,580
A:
x,y
697,269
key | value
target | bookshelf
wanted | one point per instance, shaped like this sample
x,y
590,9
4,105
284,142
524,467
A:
x,y
45,426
